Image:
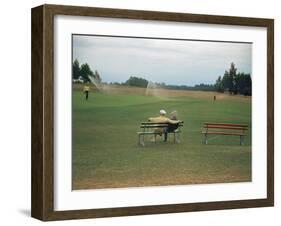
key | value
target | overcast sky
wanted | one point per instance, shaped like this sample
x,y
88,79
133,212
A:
x,y
175,62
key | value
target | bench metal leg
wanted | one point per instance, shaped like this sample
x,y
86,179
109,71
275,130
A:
x,y
206,139
165,136
141,142
241,140
178,137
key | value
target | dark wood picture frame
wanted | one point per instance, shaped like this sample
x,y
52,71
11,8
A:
x,y
42,203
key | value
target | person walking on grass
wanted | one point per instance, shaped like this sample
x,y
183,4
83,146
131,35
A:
x,y
86,90
172,122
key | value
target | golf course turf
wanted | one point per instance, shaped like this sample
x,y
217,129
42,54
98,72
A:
x,y
105,151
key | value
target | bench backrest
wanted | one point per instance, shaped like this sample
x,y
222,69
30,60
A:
x,y
157,125
225,126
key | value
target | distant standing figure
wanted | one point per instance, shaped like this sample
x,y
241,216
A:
x,y
215,98
86,90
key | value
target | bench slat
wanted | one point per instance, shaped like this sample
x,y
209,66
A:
x,y
148,123
225,127
141,133
157,126
152,132
225,124
224,133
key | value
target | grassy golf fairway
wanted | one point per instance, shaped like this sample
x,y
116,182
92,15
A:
x,y
105,142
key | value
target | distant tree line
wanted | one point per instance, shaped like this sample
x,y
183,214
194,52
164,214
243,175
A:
x,y
82,73
136,81
200,87
141,82
234,82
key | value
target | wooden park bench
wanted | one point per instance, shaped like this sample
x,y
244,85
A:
x,y
230,129
150,128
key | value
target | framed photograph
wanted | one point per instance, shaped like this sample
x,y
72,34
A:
x,y
142,112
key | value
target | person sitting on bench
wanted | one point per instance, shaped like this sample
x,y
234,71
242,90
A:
x,y
171,127
173,124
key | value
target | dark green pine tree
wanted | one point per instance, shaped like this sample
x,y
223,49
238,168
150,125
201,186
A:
x,y
75,69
